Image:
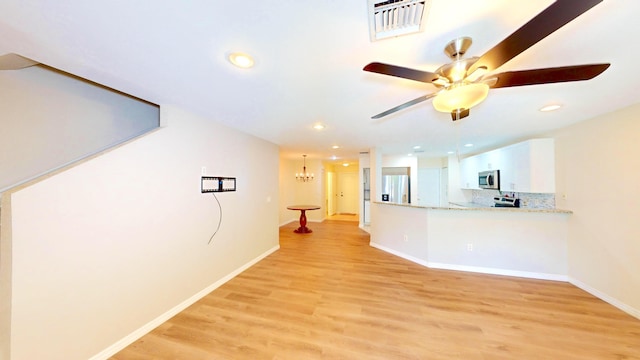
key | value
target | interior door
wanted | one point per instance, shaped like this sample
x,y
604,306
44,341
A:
x,y
429,187
347,193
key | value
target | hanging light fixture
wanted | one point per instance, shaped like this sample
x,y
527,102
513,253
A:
x,y
304,176
460,97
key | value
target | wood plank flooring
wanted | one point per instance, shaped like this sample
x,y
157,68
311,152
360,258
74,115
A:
x,y
344,217
329,295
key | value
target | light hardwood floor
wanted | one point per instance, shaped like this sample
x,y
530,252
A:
x,y
329,295
344,217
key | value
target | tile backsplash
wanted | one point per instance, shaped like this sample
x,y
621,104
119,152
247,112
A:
x,y
527,200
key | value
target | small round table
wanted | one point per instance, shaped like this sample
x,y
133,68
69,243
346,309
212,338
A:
x,y
303,229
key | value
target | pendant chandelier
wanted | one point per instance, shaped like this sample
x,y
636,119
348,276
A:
x,y
304,176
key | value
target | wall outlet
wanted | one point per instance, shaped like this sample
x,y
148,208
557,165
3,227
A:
x,y
469,247
203,170
405,238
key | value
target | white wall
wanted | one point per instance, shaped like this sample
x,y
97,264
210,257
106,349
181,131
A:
x,y
106,247
598,171
50,119
503,242
287,196
363,162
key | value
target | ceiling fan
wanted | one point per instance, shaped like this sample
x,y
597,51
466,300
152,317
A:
x,y
465,83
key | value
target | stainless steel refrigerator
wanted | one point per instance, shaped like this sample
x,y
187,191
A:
x,y
396,189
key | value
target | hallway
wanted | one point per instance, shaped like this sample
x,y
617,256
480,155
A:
x,y
343,217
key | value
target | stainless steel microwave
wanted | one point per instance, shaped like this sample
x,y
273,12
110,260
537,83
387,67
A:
x,y
489,179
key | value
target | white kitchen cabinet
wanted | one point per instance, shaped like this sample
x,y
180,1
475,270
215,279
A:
x,y
514,171
528,167
490,160
469,173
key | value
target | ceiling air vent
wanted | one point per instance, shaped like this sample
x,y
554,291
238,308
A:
x,y
390,18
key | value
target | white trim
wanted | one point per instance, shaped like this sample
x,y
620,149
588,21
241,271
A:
x,y
129,339
504,272
399,254
604,297
288,222
476,269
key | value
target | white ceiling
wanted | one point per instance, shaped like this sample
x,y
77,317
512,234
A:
x,y
309,59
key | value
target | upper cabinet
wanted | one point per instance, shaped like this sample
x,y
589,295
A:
x,y
531,167
469,173
528,167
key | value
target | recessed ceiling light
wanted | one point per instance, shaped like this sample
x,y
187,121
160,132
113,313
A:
x,y
550,107
450,152
345,164
241,60
335,147
334,157
318,126
468,145
417,147
409,154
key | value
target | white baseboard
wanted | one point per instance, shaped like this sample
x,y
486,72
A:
x,y
604,297
399,254
129,339
475,269
288,222
504,272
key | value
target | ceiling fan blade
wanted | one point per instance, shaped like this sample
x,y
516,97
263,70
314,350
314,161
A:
x,y
548,75
549,20
405,105
15,62
403,72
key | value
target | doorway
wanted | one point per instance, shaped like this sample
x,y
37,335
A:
x,y
429,186
347,190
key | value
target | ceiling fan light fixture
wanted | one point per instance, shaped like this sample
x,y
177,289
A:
x,y
241,60
463,96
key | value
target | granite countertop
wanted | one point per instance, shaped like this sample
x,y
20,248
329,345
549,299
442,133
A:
x,y
466,206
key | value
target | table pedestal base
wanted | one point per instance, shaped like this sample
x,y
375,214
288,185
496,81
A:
x,y
303,229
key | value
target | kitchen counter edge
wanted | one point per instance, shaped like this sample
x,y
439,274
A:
x,y
468,207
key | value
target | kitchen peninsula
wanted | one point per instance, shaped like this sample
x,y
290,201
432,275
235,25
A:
x,y
507,241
